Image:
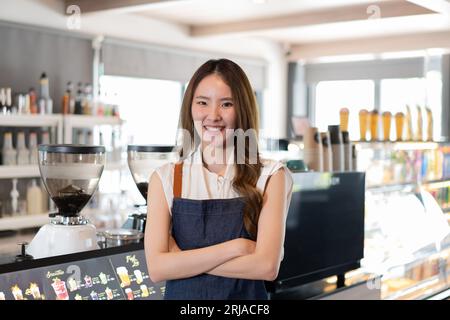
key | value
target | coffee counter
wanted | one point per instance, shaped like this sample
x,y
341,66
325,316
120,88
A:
x,y
117,273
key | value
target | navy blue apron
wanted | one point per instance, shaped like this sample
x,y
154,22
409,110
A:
x,y
202,223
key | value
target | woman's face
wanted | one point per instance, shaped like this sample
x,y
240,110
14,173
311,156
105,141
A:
x,y
213,111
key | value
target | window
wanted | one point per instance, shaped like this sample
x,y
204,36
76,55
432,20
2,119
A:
x,y
393,96
331,96
149,107
423,92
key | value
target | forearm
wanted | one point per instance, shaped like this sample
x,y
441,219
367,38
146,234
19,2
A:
x,y
189,263
252,266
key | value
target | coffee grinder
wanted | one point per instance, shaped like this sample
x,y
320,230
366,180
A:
x,y
142,161
71,174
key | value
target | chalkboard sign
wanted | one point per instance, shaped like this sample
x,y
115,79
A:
x,y
120,276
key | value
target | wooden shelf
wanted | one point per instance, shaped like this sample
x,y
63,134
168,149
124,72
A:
x,y
25,171
397,145
23,222
86,121
429,184
30,120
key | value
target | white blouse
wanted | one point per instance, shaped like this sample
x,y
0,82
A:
x,y
199,183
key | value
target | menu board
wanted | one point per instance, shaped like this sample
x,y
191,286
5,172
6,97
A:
x,y
115,277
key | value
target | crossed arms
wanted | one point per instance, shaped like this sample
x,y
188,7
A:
x,y
238,258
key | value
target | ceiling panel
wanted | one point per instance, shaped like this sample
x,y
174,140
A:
x,y
204,12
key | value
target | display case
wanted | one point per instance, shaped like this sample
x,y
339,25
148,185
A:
x,y
324,227
324,234
407,234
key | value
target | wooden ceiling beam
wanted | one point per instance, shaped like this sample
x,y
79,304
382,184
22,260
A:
x,y
332,15
90,6
372,45
439,6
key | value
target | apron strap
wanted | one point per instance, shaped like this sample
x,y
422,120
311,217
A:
x,y
178,180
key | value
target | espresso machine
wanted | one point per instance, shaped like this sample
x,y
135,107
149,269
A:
x,y
142,161
71,174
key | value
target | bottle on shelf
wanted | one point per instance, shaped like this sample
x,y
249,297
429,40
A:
x,y
101,105
87,99
313,151
399,124
41,106
33,104
65,106
354,158
9,106
20,103
9,153
374,119
429,124
95,103
23,154
343,119
327,152
419,135
79,99
34,198
44,90
14,197
90,138
115,111
27,109
101,141
45,103
337,148
347,151
363,121
3,100
45,137
80,137
408,124
386,118
49,106
33,148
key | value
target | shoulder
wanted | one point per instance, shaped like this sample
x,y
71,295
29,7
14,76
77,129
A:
x,y
165,171
165,174
271,167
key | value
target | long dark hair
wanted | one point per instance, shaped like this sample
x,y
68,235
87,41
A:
x,y
247,172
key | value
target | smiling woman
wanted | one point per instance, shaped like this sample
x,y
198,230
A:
x,y
213,111
218,224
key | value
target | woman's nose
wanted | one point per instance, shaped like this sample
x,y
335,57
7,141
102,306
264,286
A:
x,y
214,113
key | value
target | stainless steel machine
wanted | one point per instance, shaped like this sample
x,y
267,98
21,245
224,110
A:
x,y
142,161
71,174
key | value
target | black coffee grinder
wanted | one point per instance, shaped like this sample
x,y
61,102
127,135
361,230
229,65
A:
x,y
142,161
71,174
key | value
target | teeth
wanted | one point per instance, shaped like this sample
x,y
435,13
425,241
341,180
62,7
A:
x,y
213,128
